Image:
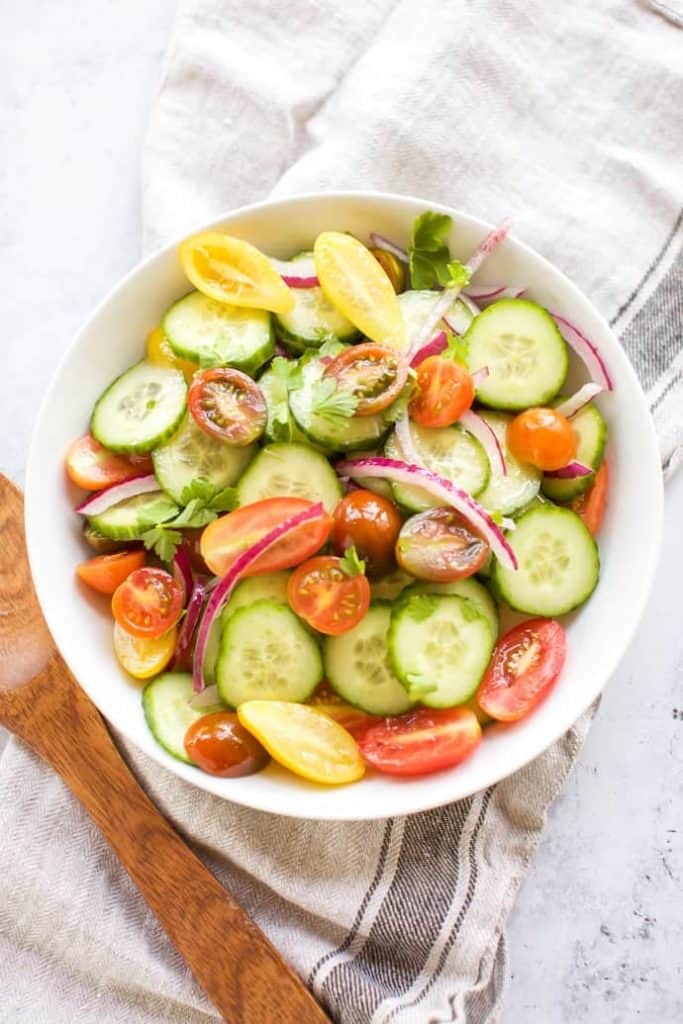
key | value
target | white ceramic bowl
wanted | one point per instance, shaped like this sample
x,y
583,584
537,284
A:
x,y
114,337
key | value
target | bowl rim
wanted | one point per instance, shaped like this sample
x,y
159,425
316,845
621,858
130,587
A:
x,y
525,755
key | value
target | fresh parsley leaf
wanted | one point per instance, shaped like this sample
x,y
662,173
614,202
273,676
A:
x,y
331,402
225,500
330,346
457,348
162,541
159,511
351,564
194,515
428,253
458,275
201,489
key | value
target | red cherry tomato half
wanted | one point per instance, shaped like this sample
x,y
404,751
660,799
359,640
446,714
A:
x,y
220,745
591,504
438,545
92,466
421,741
543,437
148,603
327,597
228,405
375,374
370,523
105,573
445,390
524,667
224,540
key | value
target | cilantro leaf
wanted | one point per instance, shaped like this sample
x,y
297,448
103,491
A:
x,y
428,253
351,564
458,275
156,512
194,515
457,348
225,500
332,403
200,489
162,541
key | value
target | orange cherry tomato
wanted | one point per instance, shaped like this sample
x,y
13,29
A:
x,y
374,374
524,667
445,390
224,540
220,745
421,741
543,437
92,466
329,599
591,504
370,523
227,404
148,603
105,573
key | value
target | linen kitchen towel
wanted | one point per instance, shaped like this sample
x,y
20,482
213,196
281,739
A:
x,y
568,118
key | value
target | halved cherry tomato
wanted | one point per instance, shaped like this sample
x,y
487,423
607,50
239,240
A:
x,y
330,600
229,269
421,741
226,538
392,267
148,603
228,405
305,740
524,666
220,745
92,466
355,283
591,504
371,523
104,573
439,545
445,390
160,353
543,437
374,374
145,657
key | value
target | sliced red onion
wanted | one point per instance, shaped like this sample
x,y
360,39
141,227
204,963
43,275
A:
x,y
480,429
445,490
570,472
222,590
297,273
585,350
182,571
206,698
583,396
100,502
479,375
405,441
449,295
280,350
438,343
484,292
380,242
186,635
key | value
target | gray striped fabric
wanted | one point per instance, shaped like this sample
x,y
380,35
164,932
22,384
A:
x,y
567,117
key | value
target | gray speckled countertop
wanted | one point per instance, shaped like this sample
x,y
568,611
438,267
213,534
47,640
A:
x,y
597,933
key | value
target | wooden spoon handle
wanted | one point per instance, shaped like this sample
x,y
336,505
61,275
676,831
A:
x,y
240,971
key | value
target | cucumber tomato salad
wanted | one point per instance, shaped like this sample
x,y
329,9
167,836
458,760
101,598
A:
x,y
318,489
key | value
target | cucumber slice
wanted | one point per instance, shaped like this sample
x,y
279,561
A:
x,y
314,319
559,563
266,654
290,470
506,494
470,588
283,426
357,665
140,409
191,453
449,451
439,647
347,435
524,351
169,714
272,586
416,307
591,431
199,327
127,521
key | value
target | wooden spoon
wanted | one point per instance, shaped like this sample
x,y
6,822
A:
x,y
41,702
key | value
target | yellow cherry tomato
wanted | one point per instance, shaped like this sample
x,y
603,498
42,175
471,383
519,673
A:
x,y
143,657
304,740
231,270
160,353
356,284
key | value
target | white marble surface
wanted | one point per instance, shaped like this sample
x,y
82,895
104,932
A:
x,y
597,933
